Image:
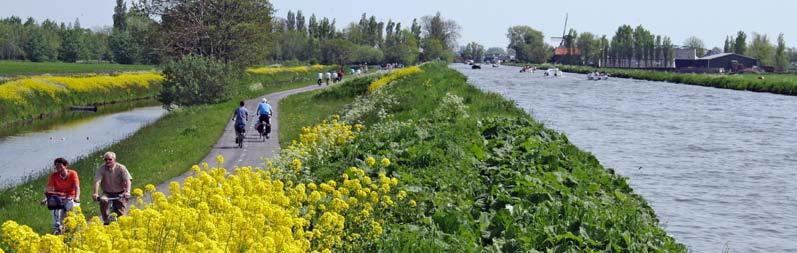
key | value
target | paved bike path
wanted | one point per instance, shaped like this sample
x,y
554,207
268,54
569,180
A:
x,y
254,148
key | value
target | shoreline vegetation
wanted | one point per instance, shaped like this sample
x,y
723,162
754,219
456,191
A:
x,y
11,69
783,84
34,97
158,152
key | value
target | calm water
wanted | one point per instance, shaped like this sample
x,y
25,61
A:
x,y
26,154
718,166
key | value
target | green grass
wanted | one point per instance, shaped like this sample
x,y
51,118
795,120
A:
x,y
785,84
19,68
154,154
486,176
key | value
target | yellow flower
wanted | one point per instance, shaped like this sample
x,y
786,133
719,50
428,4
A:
x,y
385,162
137,192
149,188
412,203
220,159
370,161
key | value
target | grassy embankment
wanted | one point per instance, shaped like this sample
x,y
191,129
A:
x,y
154,154
33,97
486,176
785,84
17,68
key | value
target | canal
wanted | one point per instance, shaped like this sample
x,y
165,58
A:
x,y
28,151
718,166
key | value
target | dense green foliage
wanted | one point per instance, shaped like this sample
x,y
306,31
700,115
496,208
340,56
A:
x,y
196,80
529,44
366,41
485,175
154,154
785,84
473,51
14,68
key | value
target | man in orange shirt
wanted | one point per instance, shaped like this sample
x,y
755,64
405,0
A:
x,y
62,193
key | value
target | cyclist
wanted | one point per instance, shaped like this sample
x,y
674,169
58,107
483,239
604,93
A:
x,y
241,116
114,180
264,120
62,193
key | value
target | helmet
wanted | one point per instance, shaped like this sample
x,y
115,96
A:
x,y
265,100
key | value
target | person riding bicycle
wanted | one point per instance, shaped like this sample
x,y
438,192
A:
x,y
241,116
115,181
264,120
62,193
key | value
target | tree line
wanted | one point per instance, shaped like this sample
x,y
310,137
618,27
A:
x,y
637,47
316,40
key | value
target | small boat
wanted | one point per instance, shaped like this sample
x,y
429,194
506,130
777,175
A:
x,y
475,66
553,72
91,108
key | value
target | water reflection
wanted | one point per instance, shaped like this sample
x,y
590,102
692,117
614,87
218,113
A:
x,y
29,152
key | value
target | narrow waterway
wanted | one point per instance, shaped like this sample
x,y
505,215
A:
x,y
30,151
718,166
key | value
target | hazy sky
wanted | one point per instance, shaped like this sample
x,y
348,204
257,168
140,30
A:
x,y
486,22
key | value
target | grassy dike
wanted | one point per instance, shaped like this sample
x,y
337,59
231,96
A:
x,y
485,175
16,68
785,84
153,154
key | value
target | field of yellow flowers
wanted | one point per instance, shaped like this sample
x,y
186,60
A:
x,y
271,209
29,97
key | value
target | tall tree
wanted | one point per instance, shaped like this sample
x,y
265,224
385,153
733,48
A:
x,y
233,31
444,30
119,13
300,25
586,42
415,29
761,49
781,59
290,21
696,44
495,51
528,44
312,27
740,45
473,51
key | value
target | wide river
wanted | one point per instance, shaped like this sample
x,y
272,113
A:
x,y
718,166
31,152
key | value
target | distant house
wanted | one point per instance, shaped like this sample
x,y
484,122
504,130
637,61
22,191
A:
x,y
724,62
685,54
564,55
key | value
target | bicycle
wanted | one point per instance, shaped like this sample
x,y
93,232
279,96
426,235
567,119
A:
x,y
111,208
240,135
264,128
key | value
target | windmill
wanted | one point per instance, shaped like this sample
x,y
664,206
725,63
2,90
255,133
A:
x,y
566,47
564,34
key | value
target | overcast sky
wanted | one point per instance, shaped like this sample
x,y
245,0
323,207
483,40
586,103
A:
x,y
486,21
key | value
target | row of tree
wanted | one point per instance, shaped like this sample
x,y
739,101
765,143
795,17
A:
x,y
759,48
49,41
366,41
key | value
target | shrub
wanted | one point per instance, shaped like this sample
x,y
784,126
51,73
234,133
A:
x,y
196,80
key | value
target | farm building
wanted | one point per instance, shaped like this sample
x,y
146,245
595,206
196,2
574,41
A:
x,y
725,62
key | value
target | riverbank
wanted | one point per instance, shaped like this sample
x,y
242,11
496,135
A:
x,y
21,68
785,84
34,97
156,153
484,174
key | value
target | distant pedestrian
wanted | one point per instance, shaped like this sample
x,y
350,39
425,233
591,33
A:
x,y
334,77
329,77
320,77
